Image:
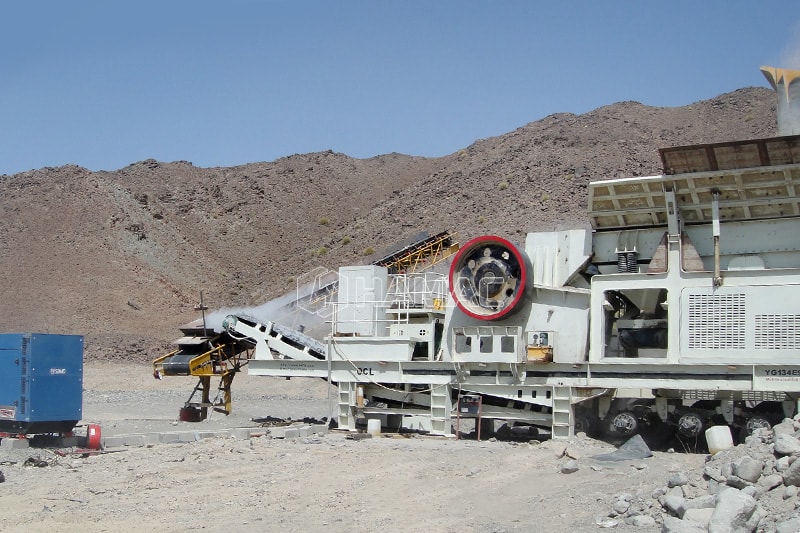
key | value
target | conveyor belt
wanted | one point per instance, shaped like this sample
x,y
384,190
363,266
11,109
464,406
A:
x,y
301,341
424,248
177,365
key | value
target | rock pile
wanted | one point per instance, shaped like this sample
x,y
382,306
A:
x,y
751,487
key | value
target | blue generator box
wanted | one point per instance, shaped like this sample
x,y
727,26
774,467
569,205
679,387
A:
x,y
41,382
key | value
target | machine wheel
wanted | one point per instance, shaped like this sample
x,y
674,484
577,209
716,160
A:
x,y
690,425
752,424
587,422
624,423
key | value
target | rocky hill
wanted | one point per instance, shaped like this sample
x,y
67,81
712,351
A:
x,y
122,256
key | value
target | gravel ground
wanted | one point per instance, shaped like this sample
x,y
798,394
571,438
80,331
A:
x,y
327,481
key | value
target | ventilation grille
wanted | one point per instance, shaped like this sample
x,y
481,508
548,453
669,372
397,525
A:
x,y
23,383
752,396
777,332
716,321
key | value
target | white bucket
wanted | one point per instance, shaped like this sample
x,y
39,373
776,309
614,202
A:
x,y
374,426
719,438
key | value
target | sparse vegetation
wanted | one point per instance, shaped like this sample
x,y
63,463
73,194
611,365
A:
x,y
503,185
368,251
346,240
324,221
322,250
138,230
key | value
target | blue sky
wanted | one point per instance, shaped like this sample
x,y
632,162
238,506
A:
x,y
103,84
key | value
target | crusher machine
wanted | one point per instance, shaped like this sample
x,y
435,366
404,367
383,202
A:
x,y
679,309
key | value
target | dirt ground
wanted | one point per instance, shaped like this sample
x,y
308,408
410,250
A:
x,y
323,482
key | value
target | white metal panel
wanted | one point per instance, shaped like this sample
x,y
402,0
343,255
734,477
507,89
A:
x,y
741,324
485,344
777,378
557,256
361,306
566,313
744,194
392,348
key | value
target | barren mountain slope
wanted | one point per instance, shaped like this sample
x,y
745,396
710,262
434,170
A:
x,y
535,178
121,256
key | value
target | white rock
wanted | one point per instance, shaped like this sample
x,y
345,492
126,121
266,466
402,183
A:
x,y
675,504
641,520
791,476
701,516
786,427
570,467
748,469
621,506
732,512
770,482
607,523
782,464
786,444
676,525
752,491
678,479
791,525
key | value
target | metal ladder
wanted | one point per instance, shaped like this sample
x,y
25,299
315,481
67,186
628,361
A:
x,y
441,410
563,424
346,401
